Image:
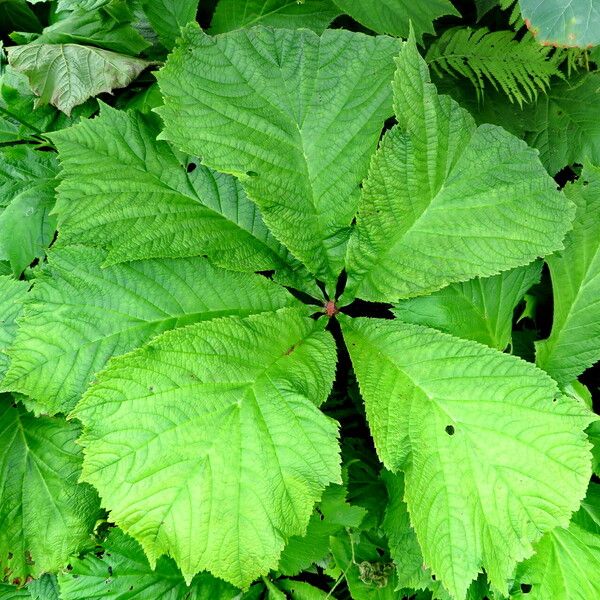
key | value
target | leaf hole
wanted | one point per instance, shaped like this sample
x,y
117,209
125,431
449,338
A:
x,y
10,555
449,429
251,173
526,588
191,167
433,578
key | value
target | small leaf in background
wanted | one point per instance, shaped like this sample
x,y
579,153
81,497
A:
x,y
574,343
168,17
46,514
395,16
66,75
480,309
120,569
109,27
572,23
290,14
27,194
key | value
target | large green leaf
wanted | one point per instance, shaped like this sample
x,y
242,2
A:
x,y
66,75
168,17
395,16
565,565
492,455
446,201
574,342
561,23
479,309
207,444
45,514
27,184
293,115
124,190
81,314
288,14
121,570
12,296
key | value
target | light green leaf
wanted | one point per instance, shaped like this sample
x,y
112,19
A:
x,y
168,17
27,184
479,309
395,16
288,14
124,190
66,75
122,571
492,456
565,567
293,115
12,296
80,315
446,201
560,23
574,342
207,443
45,514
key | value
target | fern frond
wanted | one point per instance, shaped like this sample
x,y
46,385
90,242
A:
x,y
519,68
514,20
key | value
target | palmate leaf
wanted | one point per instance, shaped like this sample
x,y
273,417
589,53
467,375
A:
x,y
520,68
207,444
125,191
574,342
293,115
566,562
79,315
395,16
492,455
480,309
45,514
27,184
12,296
560,23
289,14
66,75
122,571
446,201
